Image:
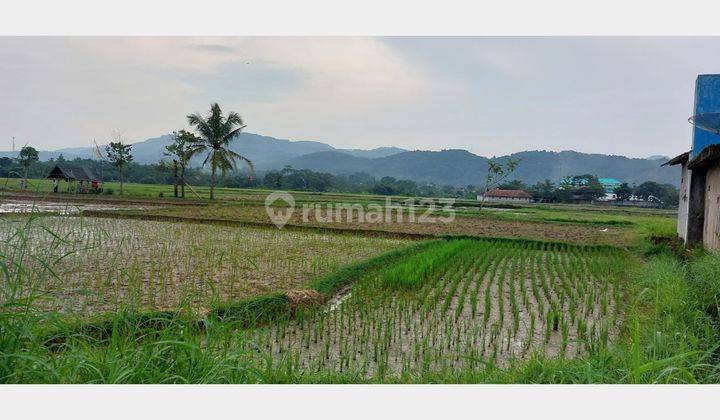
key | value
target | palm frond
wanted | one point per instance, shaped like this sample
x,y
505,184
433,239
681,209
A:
x,y
202,126
242,158
229,136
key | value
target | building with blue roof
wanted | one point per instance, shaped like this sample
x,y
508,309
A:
x,y
699,204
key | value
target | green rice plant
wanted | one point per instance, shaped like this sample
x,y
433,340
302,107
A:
x,y
412,273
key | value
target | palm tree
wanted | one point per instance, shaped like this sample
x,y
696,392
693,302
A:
x,y
183,147
215,133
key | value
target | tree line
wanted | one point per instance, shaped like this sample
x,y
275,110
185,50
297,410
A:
x,y
214,132
294,179
587,187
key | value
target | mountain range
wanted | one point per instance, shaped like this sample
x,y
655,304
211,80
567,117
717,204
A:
x,y
453,166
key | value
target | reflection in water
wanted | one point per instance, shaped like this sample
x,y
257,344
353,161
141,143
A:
x,y
61,208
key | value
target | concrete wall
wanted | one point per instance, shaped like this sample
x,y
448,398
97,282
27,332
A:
x,y
684,202
711,232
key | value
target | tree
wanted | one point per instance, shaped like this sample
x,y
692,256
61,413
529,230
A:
x,y
663,194
543,191
496,174
585,187
623,192
118,154
28,155
215,134
515,184
183,147
273,180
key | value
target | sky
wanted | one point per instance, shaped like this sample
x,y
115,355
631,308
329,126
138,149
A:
x,y
491,96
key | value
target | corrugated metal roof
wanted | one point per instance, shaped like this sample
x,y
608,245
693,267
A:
x,y
677,159
709,156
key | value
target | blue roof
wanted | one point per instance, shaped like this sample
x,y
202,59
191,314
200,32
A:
x,y
609,181
707,99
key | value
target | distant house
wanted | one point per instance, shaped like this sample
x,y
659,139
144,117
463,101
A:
x,y
609,185
79,178
505,195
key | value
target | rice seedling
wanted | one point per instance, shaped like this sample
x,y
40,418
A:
x,y
444,309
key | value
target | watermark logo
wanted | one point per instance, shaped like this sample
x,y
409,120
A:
x,y
426,210
277,216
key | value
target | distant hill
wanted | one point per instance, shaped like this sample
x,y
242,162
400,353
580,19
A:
x,y
455,167
373,153
460,167
265,152
538,165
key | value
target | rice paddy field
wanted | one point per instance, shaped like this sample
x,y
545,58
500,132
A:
x,y
100,265
490,223
211,293
581,224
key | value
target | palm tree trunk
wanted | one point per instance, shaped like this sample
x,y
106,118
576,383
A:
x,y
175,177
182,181
212,182
121,181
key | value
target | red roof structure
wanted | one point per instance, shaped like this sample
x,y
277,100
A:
x,y
498,193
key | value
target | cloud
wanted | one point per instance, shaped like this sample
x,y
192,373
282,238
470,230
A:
x,y
214,47
86,87
491,95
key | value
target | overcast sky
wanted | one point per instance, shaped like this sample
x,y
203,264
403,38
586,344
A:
x,y
492,96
